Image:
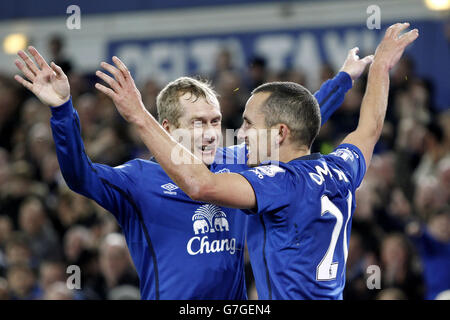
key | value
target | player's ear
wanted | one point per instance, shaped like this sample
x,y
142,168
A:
x,y
166,125
283,132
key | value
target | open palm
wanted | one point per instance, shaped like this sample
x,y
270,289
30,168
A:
x,y
391,48
49,84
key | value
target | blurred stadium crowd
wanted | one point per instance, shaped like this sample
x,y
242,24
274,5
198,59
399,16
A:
x,y
401,223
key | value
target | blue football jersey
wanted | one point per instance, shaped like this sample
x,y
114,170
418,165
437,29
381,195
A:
x,y
298,235
181,248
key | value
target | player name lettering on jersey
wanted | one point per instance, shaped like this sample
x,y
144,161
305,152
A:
x,y
318,176
197,245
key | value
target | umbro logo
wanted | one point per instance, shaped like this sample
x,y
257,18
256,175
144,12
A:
x,y
169,187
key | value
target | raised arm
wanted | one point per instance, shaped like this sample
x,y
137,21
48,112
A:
x,y
332,92
374,104
98,182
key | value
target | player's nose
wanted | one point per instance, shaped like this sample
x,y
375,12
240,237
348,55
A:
x,y
241,134
209,135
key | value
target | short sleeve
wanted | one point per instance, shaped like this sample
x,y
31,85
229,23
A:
x,y
272,185
350,159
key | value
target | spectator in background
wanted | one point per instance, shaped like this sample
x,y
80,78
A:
x,y
231,91
56,48
358,260
73,209
4,167
9,112
78,84
58,291
435,151
402,73
18,251
6,230
22,283
4,290
18,185
149,93
408,148
232,97
397,212
444,179
414,102
31,113
429,197
51,272
365,214
326,72
34,223
52,178
397,267
347,115
444,121
116,264
39,144
80,250
391,294
433,244
224,61
257,73
76,240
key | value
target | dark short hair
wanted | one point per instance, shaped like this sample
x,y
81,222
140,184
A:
x,y
293,105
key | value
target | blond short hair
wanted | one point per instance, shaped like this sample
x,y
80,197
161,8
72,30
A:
x,y
168,100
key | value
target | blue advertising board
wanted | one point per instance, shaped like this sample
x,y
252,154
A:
x,y
307,49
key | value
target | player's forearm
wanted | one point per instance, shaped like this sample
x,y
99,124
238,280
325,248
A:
x,y
74,164
186,170
374,104
331,94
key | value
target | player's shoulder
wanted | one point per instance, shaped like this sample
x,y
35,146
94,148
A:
x,y
271,169
285,174
346,152
316,169
347,159
136,166
304,163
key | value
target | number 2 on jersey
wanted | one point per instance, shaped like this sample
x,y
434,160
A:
x,y
327,269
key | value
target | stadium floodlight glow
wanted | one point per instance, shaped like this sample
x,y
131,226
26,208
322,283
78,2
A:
x,y
15,42
438,5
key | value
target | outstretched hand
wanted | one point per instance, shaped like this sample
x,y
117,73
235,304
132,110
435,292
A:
x,y
49,84
391,48
122,91
355,66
